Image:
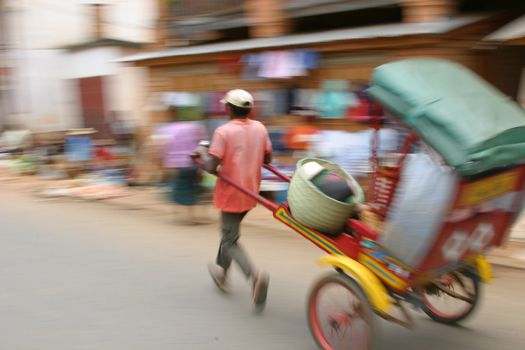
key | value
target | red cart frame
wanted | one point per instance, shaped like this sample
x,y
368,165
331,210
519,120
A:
x,y
456,253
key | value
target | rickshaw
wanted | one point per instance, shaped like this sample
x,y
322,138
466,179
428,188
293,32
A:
x,y
474,139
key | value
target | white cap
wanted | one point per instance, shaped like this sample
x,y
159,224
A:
x,y
239,98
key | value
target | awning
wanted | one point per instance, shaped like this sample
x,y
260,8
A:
x,y
379,31
511,31
472,125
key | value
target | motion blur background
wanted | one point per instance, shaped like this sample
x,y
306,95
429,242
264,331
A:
x,y
87,87
96,102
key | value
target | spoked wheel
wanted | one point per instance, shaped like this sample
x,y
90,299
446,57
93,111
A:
x,y
452,297
339,314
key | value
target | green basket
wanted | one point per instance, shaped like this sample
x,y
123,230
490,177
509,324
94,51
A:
x,y
313,208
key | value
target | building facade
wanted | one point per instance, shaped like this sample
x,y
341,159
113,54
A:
x,y
203,46
52,49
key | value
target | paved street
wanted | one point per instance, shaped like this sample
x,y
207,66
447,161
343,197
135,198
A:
x,y
78,275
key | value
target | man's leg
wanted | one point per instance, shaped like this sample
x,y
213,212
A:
x,y
230,249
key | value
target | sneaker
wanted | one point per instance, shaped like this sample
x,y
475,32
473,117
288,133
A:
x,y
218,276
260,289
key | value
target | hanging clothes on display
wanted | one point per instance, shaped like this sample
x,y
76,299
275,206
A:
x,y
181,99
269,103
283,64
277,137
189,113
303,102
309,58
352,150
252,65
365,109
229,63
282,100
187,106
278,65
264,105
334,104
299,137
334,100
214,105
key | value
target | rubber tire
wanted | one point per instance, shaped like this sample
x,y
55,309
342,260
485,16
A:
x,y
461,317
350,284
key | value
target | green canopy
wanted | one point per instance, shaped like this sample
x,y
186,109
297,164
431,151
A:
x,y
470,123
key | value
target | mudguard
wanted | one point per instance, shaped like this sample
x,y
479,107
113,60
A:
x,y
373,288
483,267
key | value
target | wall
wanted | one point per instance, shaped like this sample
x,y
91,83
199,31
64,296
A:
x,y
503,67
124,86
46,88
97,62
43,94
45,24
93,62
335,64
129,88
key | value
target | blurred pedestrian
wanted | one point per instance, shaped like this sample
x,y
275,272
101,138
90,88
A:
x,y
184,176
239,149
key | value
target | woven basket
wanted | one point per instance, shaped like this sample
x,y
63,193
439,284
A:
x,y
313,208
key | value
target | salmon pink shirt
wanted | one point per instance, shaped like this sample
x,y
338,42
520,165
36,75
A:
x,y
241,145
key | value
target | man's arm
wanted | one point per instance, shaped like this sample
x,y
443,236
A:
x,y
215,152
211,164
267,158
267,149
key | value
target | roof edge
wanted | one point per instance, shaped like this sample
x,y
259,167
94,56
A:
x,y
369,32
